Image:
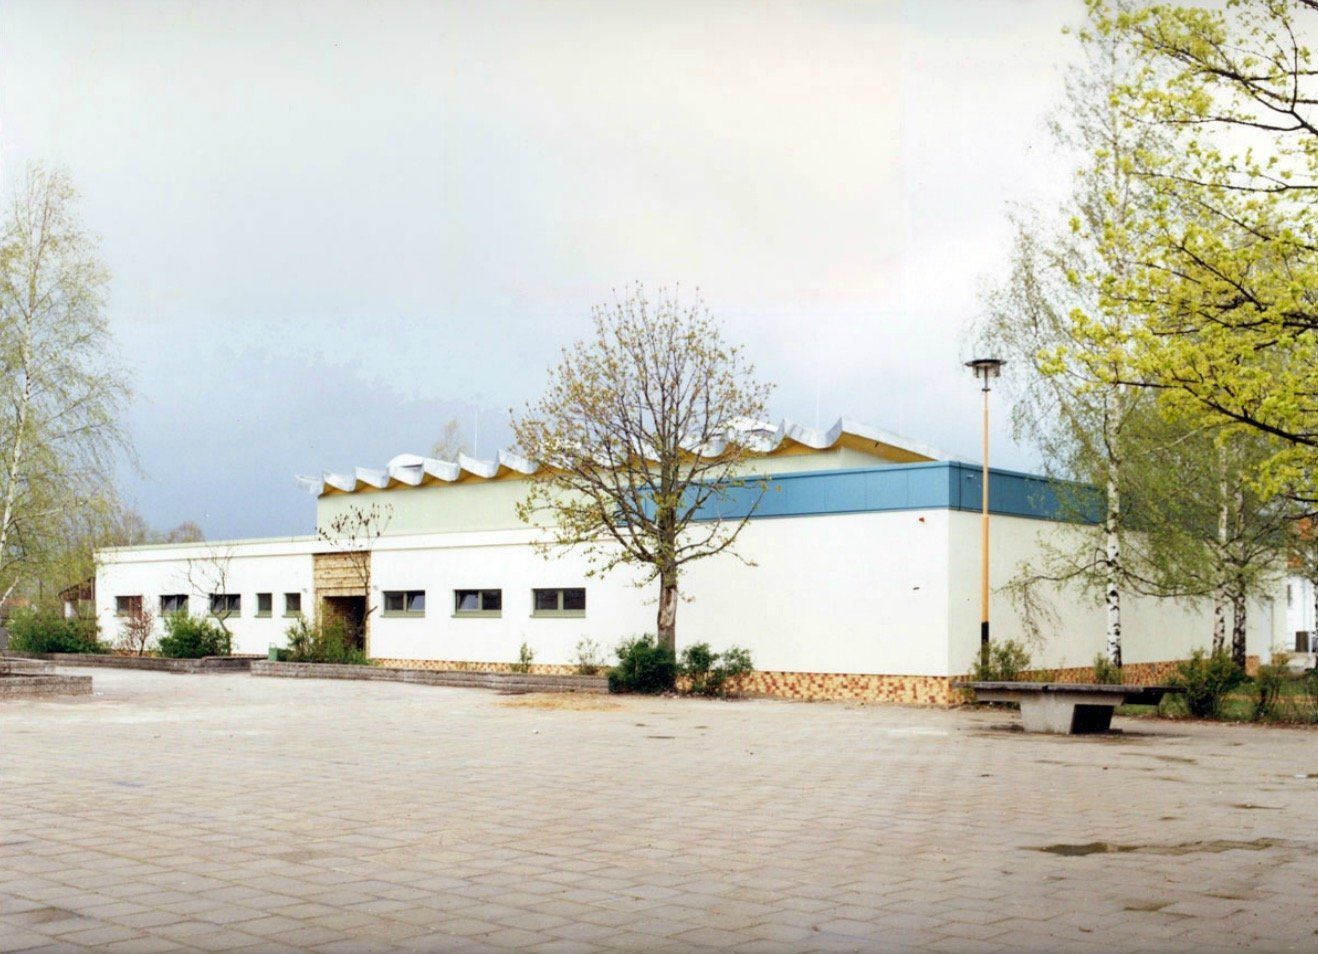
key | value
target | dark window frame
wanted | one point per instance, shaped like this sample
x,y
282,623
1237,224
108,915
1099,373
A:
x,y
123,605
560,609
406,600
484,599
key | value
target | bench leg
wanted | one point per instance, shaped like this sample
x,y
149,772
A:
x,y
1059,715
1047,713
1091,719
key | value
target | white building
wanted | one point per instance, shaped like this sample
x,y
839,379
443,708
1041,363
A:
x,y
865,583
1301,634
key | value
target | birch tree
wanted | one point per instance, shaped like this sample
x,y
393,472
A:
x,y
641,432
1205,531
1063,402
60,392
1221,261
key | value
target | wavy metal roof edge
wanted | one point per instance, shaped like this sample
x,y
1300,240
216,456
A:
x,y
417,468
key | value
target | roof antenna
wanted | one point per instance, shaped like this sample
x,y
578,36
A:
x,y
816,403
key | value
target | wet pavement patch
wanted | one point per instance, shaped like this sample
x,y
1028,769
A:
x,y
1184,848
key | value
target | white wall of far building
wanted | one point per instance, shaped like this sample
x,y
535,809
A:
x,y
1299,610
276,567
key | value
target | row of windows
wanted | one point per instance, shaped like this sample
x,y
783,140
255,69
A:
x,y
221,604
568,601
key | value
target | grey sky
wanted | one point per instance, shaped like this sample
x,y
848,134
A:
x,y
332,226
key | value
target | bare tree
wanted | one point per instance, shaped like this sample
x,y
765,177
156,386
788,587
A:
x,y
642,431
451,443
185,532
138,628
60,393
208,575
353,534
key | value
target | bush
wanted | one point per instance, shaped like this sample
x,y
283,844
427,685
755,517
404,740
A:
x,y
1106,672
643,666
1270,681
590,658
33,631
324,641
715,674
525,656
192,637
1206,680
1006,662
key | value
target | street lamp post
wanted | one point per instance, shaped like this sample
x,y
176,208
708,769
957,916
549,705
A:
x,y
985,370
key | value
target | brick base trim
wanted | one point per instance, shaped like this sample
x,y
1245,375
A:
x,y
838,686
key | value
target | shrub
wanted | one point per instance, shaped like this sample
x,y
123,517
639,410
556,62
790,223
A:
x,y
1106,672
192,637
1269,682
324,641
1206,680
643,666
590,658
525,656
715,674
1006,662
33,631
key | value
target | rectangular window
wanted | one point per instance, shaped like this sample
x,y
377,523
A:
x,y
292,604
569,601
405,603
226,604
265,604
127,605
173,603
478,602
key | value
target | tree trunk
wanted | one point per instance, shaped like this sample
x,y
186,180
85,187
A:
x,y
1238,627
1113,592
666,624
1219,619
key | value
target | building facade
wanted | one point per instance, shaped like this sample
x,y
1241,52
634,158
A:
x,y
862,581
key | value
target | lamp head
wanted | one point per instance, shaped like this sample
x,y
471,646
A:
x,y
986,369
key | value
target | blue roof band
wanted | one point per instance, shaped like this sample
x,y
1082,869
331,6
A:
x,y
941,485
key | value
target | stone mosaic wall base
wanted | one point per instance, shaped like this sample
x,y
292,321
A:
x,y
837,686
853,687
1139,674
449,665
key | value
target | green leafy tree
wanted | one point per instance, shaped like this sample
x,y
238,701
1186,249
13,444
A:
x,y
641,431
1205,531
1220,259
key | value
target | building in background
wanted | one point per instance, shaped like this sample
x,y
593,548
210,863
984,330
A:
x,y
864,583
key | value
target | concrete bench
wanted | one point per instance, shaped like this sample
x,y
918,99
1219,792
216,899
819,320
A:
x,y
1067,708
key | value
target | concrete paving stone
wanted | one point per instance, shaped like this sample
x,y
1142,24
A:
x,y
454,826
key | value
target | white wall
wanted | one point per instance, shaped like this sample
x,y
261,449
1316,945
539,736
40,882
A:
x,y
1153,629
275,567
892,593
1299,609
846,593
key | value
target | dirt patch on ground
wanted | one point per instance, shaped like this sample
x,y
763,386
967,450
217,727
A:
x,y
568,701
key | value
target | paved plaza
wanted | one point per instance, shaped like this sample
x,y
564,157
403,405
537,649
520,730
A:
x,y
226,811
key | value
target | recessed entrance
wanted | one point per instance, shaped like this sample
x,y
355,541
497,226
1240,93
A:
x,y
352,611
